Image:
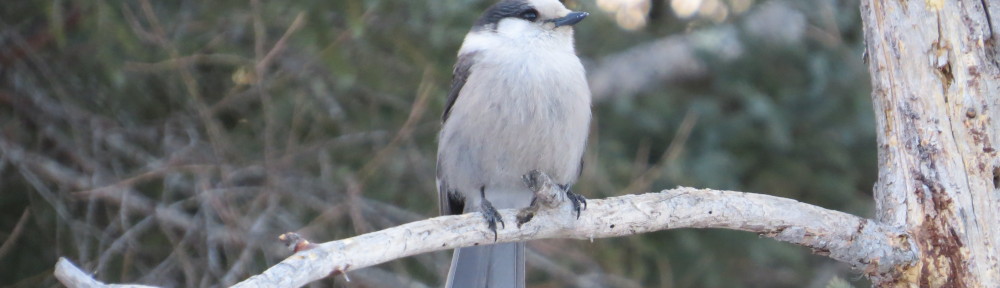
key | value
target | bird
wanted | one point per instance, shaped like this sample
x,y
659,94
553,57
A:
x,y
519,102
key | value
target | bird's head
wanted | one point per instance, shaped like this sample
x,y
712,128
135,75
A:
x,y
528,22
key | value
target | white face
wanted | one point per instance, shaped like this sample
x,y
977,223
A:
x,y
516,28
522,24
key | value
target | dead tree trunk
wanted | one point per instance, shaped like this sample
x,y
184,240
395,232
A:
x,y
935,68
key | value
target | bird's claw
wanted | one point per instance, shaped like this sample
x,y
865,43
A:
x,y
578,201
491,215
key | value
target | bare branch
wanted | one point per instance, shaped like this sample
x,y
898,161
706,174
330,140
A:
x,y
14,234
69,275
668,60
863,243
677,58
860,242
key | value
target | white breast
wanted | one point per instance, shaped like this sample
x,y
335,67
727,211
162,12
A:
x,y
522,108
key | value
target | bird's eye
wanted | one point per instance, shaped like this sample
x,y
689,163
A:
x,y
529,15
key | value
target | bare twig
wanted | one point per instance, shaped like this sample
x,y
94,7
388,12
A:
x,y
677,58
69,275
14,234
214,128
279,46
417,111
642,182
583,280
670,59
186,61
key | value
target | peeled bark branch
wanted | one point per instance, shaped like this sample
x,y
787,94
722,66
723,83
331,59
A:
x,y
844,237
860,242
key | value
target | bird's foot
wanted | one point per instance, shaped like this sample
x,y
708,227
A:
x,y
490,213
546,195
577,200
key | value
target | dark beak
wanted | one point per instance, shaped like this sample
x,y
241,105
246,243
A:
x,y
570,19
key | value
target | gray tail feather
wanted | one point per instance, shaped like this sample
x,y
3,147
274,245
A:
x,y
493,266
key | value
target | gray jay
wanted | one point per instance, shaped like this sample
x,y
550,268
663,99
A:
x,y
519,102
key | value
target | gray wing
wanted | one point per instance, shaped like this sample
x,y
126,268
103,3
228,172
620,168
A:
x,y
461,73
451,202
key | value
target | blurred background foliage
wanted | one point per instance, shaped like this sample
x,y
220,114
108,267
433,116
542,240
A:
x,y
169,142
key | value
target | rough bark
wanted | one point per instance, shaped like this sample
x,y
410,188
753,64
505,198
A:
x,y
935,67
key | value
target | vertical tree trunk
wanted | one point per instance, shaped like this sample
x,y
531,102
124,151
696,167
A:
x,y
935,68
